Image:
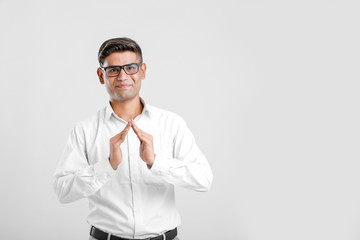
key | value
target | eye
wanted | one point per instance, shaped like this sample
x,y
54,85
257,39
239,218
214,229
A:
x,y
131,67
112,70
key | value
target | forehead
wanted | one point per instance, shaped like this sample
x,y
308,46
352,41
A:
x,y
120,58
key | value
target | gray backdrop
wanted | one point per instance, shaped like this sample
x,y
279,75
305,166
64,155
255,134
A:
x,y
270,90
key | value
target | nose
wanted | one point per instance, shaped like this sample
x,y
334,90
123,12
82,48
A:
x,y
122,75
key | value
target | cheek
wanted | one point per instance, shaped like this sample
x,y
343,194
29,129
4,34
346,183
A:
x,y
108,85
137,81
109,82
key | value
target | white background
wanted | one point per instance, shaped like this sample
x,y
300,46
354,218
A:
x,y
270,90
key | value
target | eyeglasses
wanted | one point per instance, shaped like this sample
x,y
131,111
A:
x,y
129,69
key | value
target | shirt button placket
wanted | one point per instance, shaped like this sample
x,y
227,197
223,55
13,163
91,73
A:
x,y
133,174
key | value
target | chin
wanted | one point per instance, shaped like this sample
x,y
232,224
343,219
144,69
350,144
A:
x,y
124,97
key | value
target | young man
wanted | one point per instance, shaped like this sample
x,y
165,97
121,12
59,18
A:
x,y
128,158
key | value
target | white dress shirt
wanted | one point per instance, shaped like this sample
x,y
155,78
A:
x,y
131,201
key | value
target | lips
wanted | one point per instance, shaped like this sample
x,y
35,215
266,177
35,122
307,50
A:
x,y
123,86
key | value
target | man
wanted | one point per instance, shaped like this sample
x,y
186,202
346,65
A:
x,y
128,157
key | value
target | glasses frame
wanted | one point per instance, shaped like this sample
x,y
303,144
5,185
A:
x,y
123,68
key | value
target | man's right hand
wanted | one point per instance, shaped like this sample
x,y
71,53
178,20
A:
x,y
115,150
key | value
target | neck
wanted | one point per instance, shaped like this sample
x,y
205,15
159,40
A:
x,y
128,109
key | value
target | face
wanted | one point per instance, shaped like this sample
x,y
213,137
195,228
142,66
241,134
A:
x,y
123,87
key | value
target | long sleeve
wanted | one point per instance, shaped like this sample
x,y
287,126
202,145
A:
x,y
74,178
188,167
133,202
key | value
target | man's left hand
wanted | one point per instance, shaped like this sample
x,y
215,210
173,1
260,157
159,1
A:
x,y
146,145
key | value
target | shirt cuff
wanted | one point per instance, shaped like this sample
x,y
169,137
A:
x,y
161,166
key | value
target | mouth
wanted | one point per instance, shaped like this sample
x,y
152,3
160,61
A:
x,y
123,86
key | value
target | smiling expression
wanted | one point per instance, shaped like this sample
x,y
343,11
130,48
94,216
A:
x,y
123,87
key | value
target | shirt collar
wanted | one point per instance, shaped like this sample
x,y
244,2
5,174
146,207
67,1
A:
x,y
109,110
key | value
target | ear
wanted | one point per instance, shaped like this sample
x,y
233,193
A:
x,y
100,75
143,69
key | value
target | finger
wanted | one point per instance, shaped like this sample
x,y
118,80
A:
x,y
128,126
121,136
139,133
125,131
143,136
136,129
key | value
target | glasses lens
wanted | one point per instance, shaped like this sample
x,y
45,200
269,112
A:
x,y
113,71
131,68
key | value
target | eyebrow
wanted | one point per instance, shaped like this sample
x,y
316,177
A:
x,y
122,65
